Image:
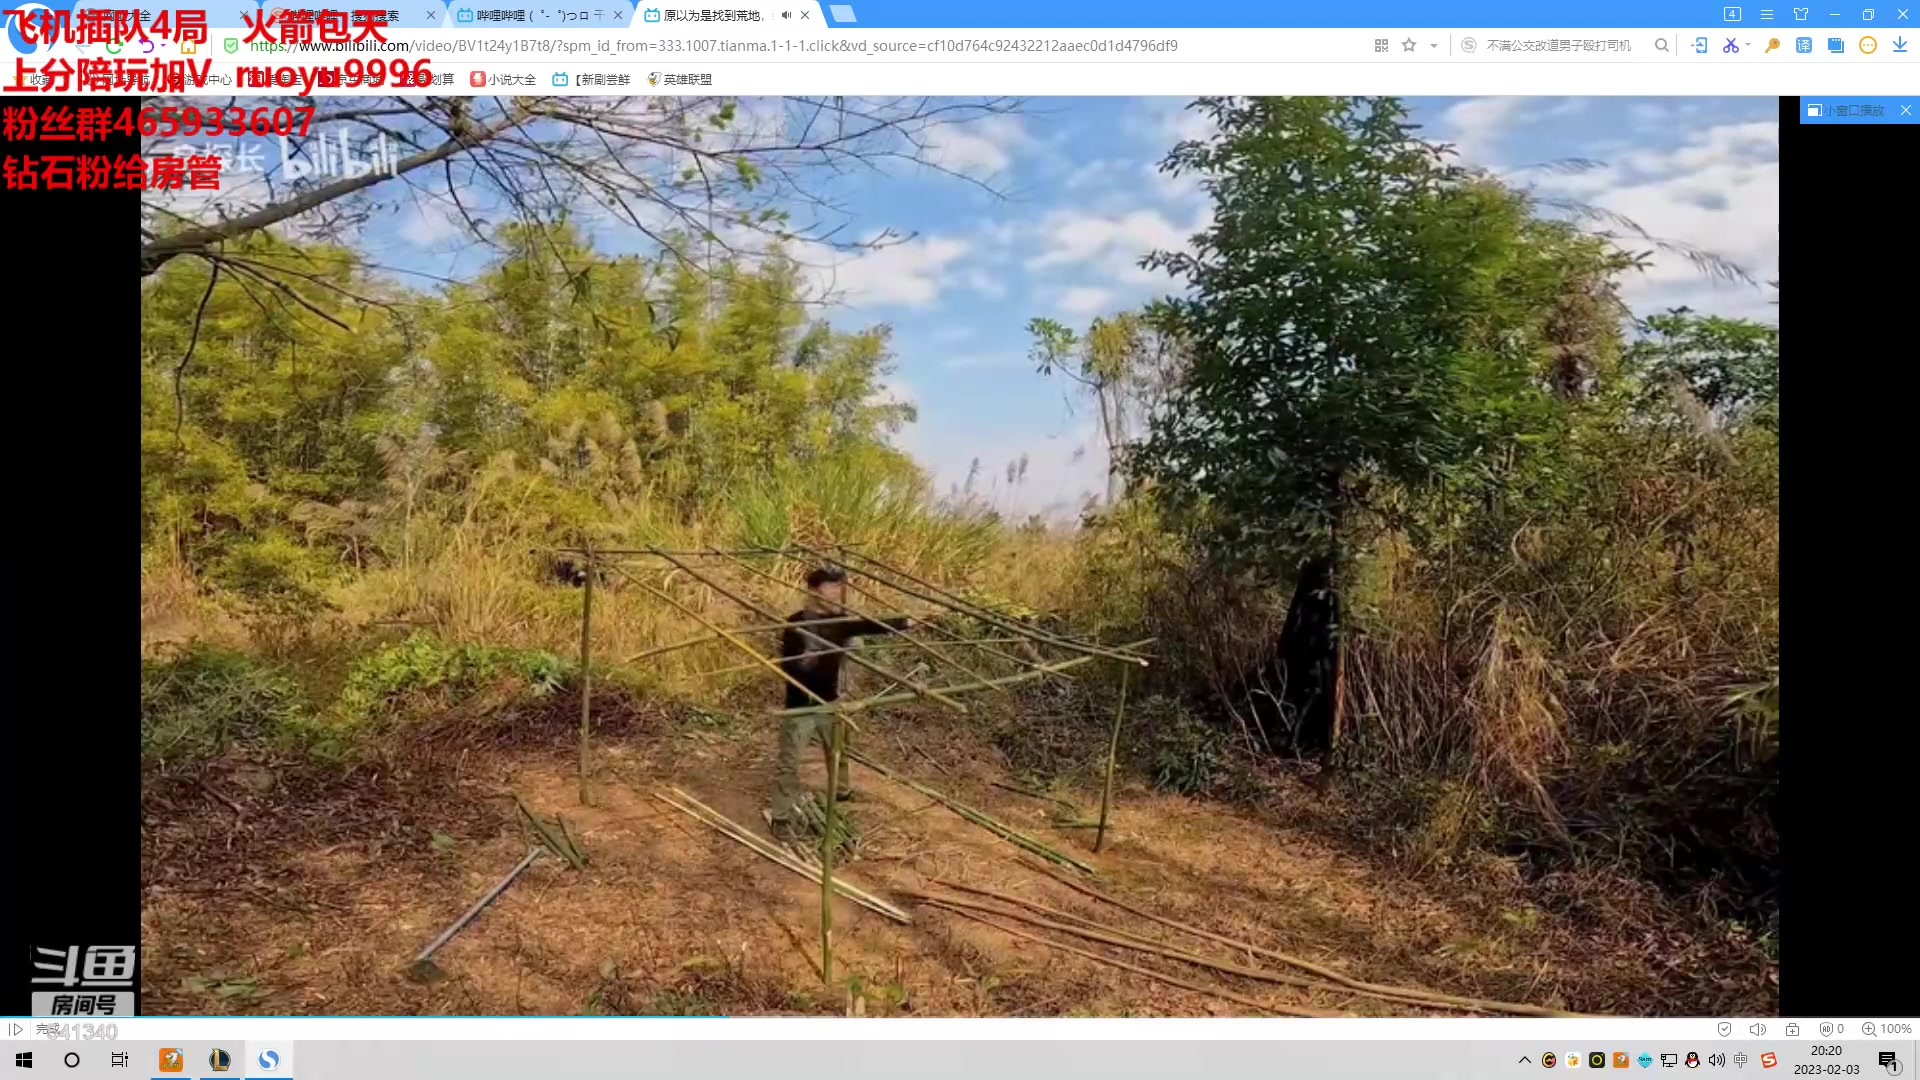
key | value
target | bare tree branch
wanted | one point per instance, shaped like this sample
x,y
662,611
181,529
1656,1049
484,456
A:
x,y
724,171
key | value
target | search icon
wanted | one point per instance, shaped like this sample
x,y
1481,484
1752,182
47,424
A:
x,y
1660,44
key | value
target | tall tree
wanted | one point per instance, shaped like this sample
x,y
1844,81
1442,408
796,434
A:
x,y
1124,364
1366,322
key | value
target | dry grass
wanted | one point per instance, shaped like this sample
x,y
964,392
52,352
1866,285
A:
x,y
174,609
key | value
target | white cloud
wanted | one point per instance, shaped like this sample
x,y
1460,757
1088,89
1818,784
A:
x,y
908,274
1085,300
1476,126
1164,121
1063,473
1097,171
977,148
988,285
425,224
1064,470
1111,244
1718,191
1722,144
983,361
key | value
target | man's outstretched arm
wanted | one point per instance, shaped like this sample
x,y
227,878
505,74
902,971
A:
x,y
880,626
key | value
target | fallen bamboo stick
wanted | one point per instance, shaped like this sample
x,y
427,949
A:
x,y
726,826
1000,829
1032,794
1434,997
1125,940
895,699
559,846
791,860
1170,980
1160,948
422,969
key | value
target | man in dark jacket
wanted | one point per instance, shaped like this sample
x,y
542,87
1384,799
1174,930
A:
x,y
811,652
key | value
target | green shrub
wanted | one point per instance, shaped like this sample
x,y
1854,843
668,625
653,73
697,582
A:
x,y
424,671
273,575
198,702
1178,749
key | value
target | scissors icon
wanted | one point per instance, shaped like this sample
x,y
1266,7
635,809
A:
x,y
1730,47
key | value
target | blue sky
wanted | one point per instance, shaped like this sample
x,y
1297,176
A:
x,y
1083,202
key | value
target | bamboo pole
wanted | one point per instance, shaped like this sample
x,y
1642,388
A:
x,y
1411,994
1157,976
730,638
894,699
659,552
998,828
1148,945
763,628
1113,758
420,966
727,827
562,845
1124,940
979,643
826,850
958,603
919,689
736,668
586,670
849,609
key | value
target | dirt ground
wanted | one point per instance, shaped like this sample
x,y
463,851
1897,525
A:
x,y
273,891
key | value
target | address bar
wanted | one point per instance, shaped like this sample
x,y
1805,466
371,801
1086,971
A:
x,y
1283,46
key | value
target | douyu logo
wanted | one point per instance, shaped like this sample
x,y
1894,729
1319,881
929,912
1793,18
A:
x,y
269,1060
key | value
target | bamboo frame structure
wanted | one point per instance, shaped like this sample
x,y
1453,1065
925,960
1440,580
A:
x,y
903,635
765,613
886,586
698,567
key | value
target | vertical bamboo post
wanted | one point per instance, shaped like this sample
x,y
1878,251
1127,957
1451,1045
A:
x,y
586,670
834,749
1113,757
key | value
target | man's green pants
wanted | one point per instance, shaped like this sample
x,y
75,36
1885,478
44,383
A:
x,y
795,733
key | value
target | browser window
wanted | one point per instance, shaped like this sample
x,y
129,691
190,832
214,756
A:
x,y
1125,536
